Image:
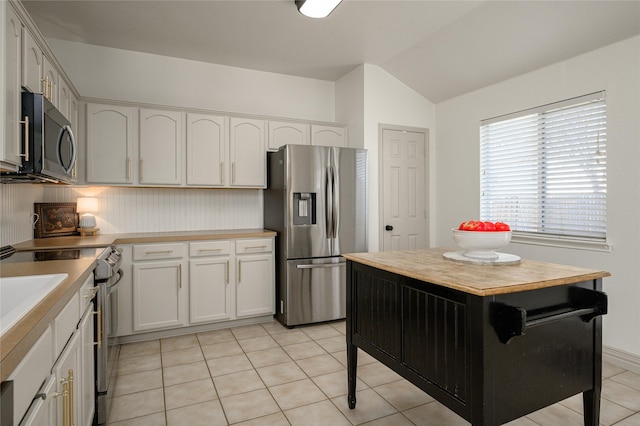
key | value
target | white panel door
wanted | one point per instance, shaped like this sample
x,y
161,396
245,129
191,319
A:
x,y
207,139
12,90
247,152
63,98
32,57
161,146
328,135
157,295
110,141
210,290
404,217
285,133
255,285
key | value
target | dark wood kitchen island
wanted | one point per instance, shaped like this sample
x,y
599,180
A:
x,y
491,342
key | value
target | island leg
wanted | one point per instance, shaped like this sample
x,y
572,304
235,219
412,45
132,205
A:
x,y
352,365
591,404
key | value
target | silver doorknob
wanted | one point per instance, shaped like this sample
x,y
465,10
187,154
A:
x,y
388,228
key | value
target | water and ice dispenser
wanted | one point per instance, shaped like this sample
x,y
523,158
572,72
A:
x,y
304,208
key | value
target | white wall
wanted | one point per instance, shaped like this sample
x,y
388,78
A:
x,y
616,69
101,72
386,100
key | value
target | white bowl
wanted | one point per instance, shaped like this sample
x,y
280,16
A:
x,y
481,244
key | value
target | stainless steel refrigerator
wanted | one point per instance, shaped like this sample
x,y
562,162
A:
x,y
316,199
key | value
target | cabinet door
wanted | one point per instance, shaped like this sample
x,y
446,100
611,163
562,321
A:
x,y
68,371
110,141
247,153
328,135
209,290
207,139
13,89
63,98
157,295
87,374
32,77
283,133
255,285
43,410
161,146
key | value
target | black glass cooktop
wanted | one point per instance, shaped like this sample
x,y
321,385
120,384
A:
x,y
12,256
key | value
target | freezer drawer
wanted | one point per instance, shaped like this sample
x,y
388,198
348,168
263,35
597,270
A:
x,y
315,290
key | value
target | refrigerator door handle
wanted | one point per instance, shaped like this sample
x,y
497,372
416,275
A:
x,y
335,204
328,186
322,265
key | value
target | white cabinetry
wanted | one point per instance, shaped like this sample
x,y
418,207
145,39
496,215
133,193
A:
x,y
207,147
12,66
32,77
211,287
110,143
287,133
54,383
247,152
158,286
161,147
323,135
63,98
255,277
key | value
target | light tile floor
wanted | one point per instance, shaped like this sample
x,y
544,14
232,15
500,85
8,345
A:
x,y
269,375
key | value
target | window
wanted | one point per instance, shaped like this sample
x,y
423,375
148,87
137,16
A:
x,y
543,170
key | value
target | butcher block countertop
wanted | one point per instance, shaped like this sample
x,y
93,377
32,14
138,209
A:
x,y
103,240
429,265
17,341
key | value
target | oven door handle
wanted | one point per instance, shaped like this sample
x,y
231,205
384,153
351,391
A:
x,y
113,288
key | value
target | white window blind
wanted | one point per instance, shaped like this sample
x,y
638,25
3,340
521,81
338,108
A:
x,y
544,170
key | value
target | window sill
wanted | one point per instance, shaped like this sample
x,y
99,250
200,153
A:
x,y
568,243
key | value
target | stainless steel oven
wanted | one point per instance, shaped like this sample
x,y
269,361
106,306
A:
x,y
107,276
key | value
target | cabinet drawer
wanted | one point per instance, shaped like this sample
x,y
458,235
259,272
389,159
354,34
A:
x,y
65,324
157,251
262,245
209,248
30,373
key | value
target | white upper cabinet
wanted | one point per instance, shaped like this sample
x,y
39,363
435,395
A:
x,y
161,147
32,57
328,135
110,142
207,146
247,152
50,81
286,133
11,148
63,98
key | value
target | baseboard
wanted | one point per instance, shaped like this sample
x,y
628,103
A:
x,y
622,359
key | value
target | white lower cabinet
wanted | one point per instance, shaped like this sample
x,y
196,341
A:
x,y
255,287
68,384
157,295
66,396
214,281
210,282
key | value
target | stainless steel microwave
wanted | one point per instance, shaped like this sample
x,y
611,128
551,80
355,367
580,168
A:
x,y
49,146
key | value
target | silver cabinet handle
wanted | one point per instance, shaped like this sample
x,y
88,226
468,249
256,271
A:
x,y
322,265
128,168
239,271
92,293
227,272
26,138
222,172
158,252
180,275
211,249
255,247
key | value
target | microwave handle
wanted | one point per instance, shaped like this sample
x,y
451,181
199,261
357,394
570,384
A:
x,y
26,138
67,129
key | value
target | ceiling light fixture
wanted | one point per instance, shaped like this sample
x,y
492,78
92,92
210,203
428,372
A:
x,y
317,8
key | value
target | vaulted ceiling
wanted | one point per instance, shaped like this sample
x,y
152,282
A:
x,y
441,49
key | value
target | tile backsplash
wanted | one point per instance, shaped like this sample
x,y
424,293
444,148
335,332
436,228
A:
x,y
123,210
